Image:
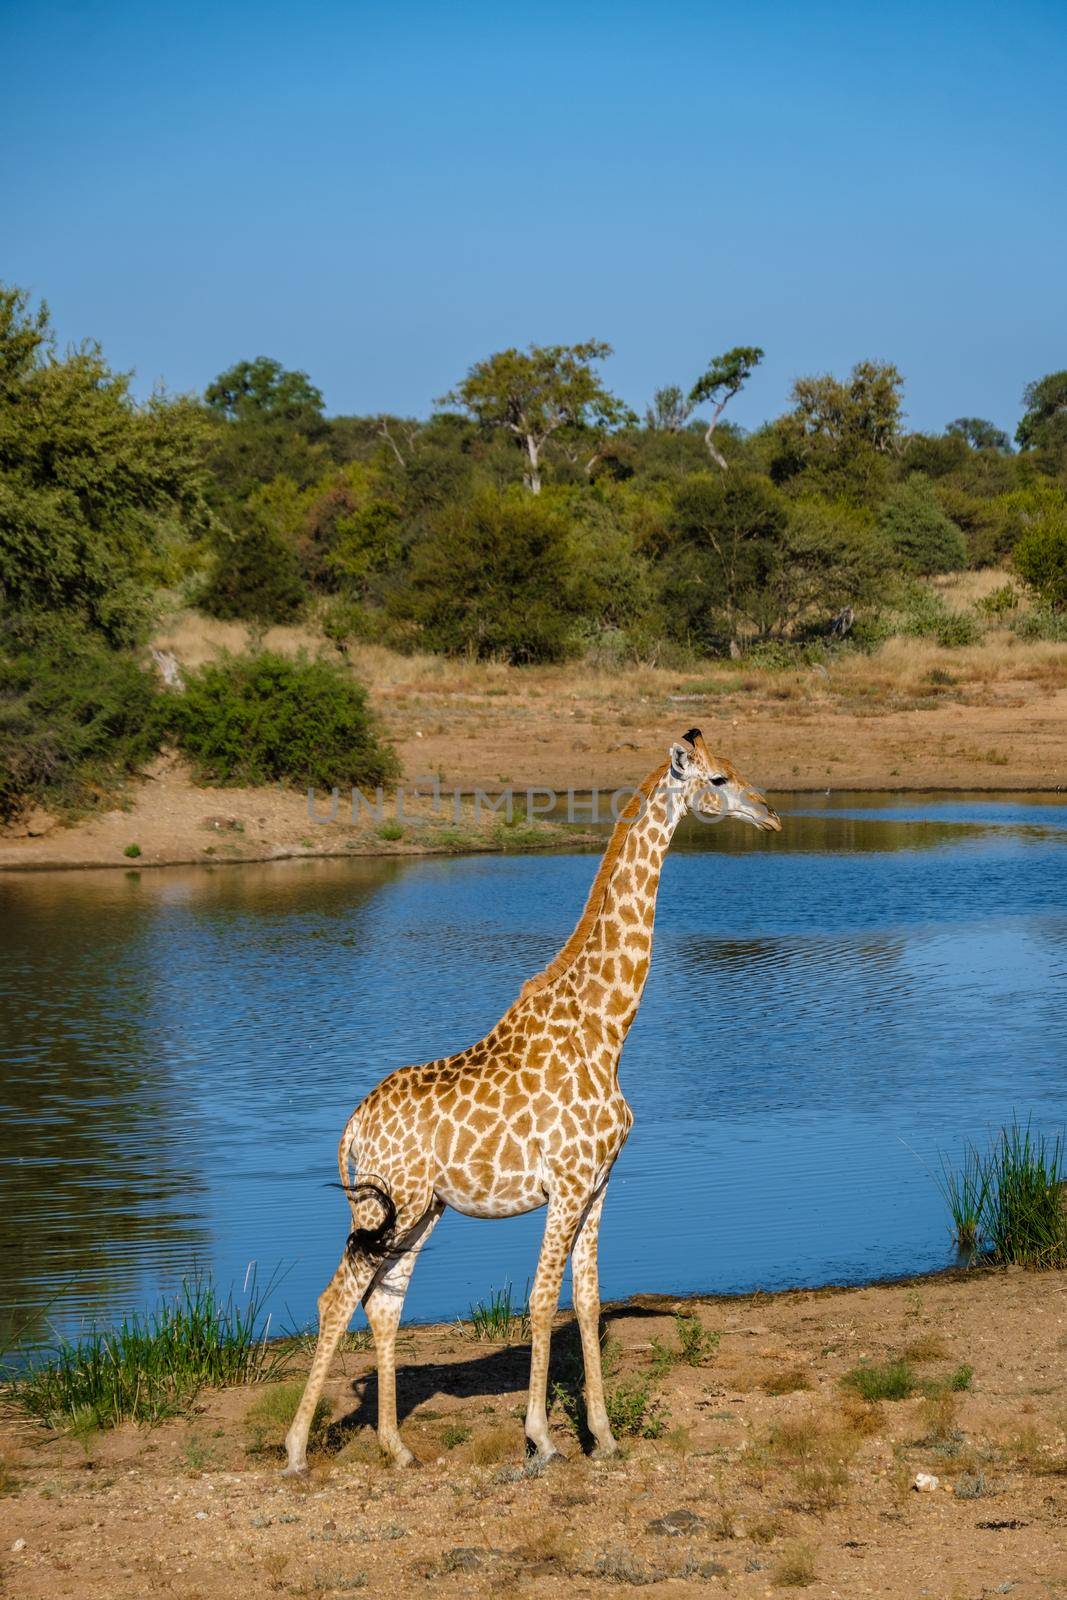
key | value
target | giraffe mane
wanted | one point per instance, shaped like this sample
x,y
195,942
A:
x,y
595,902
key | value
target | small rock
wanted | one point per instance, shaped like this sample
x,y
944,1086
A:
x,y
925,1482
201,1516
19,1544
677,1522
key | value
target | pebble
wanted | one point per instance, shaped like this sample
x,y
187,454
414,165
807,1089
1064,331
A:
x,y
19,1544
925,1482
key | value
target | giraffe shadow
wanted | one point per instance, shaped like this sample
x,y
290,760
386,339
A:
x,y
499,1370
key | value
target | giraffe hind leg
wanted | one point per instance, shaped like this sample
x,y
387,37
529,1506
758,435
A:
x,y
384,1304
337,1303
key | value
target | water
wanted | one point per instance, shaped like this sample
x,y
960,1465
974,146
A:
x,y
827,1010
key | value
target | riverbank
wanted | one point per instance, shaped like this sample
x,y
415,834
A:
x,y
913,716
766,1471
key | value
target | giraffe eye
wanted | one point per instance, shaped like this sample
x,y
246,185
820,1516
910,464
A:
x,y
718,782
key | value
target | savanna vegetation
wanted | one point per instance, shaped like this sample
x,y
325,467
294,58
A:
x,y
532,518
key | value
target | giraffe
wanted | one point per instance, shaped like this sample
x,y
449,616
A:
x,y
532,1115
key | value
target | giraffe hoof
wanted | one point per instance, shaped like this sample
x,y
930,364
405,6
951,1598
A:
x,y
300,1471
604,1452
538,1460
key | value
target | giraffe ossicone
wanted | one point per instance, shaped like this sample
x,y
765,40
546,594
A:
x,y
532,1115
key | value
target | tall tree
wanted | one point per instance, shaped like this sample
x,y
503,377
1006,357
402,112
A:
x,y
94,488
980,434
670,410
538,393
264,391
1045,422
726,376
865,410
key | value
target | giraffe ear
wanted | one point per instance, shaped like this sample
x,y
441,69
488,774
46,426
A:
x,y
682,762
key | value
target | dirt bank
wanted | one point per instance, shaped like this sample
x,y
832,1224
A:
x,y
914,716
765,1473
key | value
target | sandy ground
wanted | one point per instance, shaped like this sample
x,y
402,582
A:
x,y
914,716
766,1474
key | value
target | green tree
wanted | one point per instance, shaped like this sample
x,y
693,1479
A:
x,y
980,434
77,717
256,574
492,578
541,394
725,377
94,488
1044,424
264,391
719,548
1040,553
916,529
839,435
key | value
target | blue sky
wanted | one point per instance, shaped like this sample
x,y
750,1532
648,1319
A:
x,y
382,194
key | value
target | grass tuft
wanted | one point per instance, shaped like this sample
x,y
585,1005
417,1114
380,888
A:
x,y
268,1419
796,1569
152,1366
496,1319
890,1380
697,1345
1011,1200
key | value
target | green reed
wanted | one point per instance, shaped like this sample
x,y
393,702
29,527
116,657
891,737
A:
x,y
1011,1200
497,1319
153,1365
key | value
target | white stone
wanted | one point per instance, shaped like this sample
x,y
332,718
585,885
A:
x,y
925,1482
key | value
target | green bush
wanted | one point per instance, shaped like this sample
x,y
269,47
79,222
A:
x,y
1050,626
261,717
493,579
922,537
76,717
256,578
1040,559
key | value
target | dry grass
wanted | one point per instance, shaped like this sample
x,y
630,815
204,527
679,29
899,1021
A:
x,y
796,1567
541,1543
789,1381
489,1446
927,1347
902,667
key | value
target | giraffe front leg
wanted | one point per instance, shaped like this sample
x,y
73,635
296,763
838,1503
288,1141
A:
x,y
564,1214
337,1303
587,1308
384,1304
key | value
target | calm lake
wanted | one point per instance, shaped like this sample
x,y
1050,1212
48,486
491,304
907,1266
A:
x,y
828,1010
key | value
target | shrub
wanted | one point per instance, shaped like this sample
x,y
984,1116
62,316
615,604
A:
x,y
923,538
892,1380
76,717
493,579
957,629
1050,626
261,718
256,578
1040,559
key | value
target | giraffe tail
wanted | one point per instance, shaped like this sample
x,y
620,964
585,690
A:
x,y
368,1238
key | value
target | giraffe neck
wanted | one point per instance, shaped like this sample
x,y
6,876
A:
x,y
609,972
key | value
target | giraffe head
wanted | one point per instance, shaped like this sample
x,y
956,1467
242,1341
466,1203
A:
x,y
714,789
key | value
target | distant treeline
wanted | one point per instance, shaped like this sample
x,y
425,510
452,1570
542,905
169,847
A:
x,y
532,517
